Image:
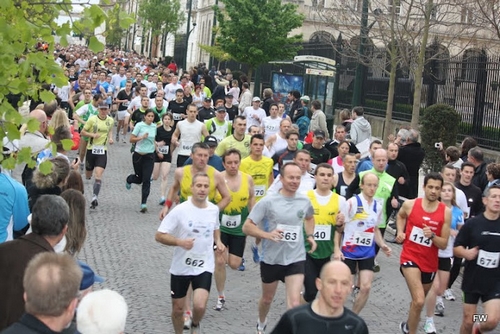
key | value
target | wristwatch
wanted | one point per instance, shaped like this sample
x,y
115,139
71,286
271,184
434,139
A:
x,y
432,235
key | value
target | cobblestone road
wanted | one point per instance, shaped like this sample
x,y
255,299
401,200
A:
x,y
121,247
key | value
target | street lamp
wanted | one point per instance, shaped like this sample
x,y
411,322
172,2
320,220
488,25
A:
x,y
188,32
187,44
360,67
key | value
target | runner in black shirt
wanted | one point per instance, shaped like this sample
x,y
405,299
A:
x,y
232,110
318,152
326,314
478,241
178,107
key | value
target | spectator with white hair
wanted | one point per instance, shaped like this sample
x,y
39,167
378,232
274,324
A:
x,y
102,312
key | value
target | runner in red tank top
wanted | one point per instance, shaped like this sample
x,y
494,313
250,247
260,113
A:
x,y
427,229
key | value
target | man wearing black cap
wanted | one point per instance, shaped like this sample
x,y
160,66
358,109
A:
x,y
213,159
206,112
317,149
218,126
231,110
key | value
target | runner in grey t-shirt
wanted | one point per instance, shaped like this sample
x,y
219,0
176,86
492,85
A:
x,y
287,215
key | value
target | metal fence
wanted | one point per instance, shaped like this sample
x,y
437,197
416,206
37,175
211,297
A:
x,y
469,83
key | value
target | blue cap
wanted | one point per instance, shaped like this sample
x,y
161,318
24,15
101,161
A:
x,y
89,277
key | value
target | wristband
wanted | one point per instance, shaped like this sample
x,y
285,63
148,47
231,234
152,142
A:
x,y
310,235
168,203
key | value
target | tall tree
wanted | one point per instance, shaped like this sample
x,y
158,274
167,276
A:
x,y
24,27
162,17
256,32
117,22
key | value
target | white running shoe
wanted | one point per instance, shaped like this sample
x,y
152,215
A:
x,y
187,321
429,327
448,295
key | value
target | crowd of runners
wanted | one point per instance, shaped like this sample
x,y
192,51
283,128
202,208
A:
x,y
314,209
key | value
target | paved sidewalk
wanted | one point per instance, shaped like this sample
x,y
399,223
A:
x,y
120,247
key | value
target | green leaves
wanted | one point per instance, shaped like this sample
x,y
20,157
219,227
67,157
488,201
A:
x,y
23,25
256,32
162,16
45,167
95,45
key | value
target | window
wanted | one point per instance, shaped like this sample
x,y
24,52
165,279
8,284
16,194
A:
x,y
395,7
466,16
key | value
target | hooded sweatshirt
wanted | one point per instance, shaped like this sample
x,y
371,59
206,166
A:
x,y
360,130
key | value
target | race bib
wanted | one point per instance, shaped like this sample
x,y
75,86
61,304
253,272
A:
x,y
177,117
163,149
322,232
289,233
363,238
260,190
98,150
126,104
186,147
195,260
230,221
488,259
417,236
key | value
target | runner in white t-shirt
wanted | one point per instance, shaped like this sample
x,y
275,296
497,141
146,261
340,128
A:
x,y
193,228
271,124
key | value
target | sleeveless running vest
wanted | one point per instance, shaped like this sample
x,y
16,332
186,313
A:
x,y
341,186
187,179
359,232
325,220
235,213
383,193
417,248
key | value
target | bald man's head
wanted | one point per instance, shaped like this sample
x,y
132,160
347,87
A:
x,y
40,116
338,267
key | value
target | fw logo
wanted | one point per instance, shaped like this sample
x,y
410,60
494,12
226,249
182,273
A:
x,y
479,317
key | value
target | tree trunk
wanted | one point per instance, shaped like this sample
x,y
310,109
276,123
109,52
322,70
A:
x,y
388,128
417,94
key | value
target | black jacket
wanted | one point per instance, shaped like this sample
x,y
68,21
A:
x,y
412,155
28,324
480,179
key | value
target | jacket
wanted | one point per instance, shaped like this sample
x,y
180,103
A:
x,y
360,130
318,122
14,257
480,179
28,324
412,155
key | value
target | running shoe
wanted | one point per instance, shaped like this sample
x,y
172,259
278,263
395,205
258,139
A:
x,y
261,330
221,301
124,140
144,208
162,201
429,327
439,310
355,292
376,267
94,202
117,138
403,326
242,266
255,252
196,329
128,185
448,295
187,320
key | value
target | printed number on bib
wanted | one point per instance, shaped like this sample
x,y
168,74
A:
x,y
187,147
195,260
230,221
289,233
163,149
98,150
417,236
488,259
322,232
363,238
177,117
260,191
